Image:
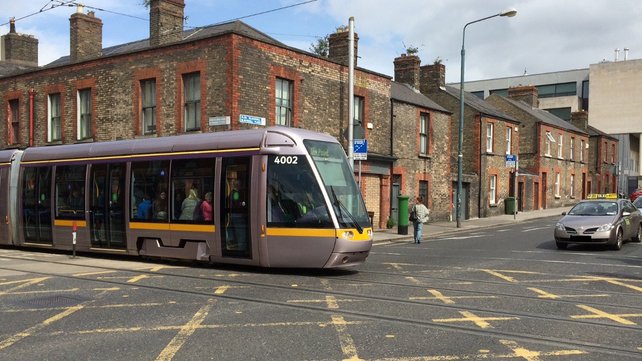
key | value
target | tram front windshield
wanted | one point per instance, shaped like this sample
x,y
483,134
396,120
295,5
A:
x,y
338,180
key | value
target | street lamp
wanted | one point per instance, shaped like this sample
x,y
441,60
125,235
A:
x,y
508,13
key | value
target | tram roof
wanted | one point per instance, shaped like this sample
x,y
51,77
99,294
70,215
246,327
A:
x,y
233,139
6,155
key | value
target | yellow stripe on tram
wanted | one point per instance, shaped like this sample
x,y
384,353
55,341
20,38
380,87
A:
x,y
172,227
301,232
68,223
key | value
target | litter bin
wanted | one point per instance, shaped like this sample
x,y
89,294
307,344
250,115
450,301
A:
x,y
402,224
510,205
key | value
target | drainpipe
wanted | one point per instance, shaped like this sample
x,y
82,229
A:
x,y
32,93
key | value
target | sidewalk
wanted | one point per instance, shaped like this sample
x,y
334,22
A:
x,y
434,229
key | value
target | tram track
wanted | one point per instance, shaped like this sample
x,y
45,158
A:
x,y
558,341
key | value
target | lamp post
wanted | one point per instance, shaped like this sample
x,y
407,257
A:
x,y
508,13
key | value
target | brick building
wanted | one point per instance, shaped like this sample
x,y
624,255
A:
x,y
488,136
205,79
421,133
603,161
552,149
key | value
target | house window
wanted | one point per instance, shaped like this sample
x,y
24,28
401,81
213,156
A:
x,y
492,189
423,134
549,140
359,118
489,137
84,114
423,191
53,128
14,118
148,105
612,153
192,101
582,146
571,156
283,96
509,139
560,155
557,184
572,186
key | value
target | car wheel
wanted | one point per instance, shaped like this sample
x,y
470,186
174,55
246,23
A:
x,y
618,240
561,245
638,234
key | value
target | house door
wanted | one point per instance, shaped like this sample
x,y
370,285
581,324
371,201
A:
x,y
544,190
583,185
394,200
536,196
520,196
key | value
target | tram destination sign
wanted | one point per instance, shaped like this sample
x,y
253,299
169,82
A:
x,y
360,149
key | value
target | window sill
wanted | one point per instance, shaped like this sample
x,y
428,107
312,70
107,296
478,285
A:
x,y
558,197
55,142
85,140
493,205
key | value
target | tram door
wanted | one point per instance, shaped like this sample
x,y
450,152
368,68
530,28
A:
x,y
36,205
5,236
107,206
235,215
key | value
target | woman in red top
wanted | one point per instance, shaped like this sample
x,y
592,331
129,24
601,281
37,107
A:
x,y
206,207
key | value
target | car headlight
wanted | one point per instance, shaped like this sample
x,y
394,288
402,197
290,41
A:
x,y
605,227
560,227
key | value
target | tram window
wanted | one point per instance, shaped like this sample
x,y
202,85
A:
x,y
70,192
149,190
192,180
294,196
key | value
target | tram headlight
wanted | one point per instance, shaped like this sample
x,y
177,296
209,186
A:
x,y
347,235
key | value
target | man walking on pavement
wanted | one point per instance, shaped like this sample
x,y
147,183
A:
x,y
419,216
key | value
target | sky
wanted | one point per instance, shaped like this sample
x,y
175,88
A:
x,y
544,36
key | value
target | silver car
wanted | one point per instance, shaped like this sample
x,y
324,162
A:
x,y
607,221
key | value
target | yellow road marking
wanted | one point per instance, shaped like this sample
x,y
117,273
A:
x,y
544,294
347,343
137,278
446,299
186,331
221,290
42,292
616,282
479,321
92,273
497,274
529,355
613,317
28,332
24,283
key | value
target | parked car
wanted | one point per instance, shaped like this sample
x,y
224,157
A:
x,y
638,202
636,193
600,219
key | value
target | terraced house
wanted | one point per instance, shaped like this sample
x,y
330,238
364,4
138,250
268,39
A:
x,y
217,78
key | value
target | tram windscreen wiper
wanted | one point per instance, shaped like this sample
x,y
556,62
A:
x,y
343,208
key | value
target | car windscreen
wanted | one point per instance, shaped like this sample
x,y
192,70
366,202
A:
x,y
602,208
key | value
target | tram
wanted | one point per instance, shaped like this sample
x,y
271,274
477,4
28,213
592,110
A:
x,y
270,197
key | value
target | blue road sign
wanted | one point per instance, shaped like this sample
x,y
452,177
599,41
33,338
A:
x,y
360,149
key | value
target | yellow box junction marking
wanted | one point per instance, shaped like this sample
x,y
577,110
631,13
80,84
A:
x,y
340,325
23,284
529,355
544,294
619,318
479,321
185,332
445,299
497,274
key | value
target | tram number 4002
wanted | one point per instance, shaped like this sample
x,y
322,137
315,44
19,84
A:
x,y
286,159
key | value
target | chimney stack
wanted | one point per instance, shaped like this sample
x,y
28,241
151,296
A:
x,y
19,49
407,70
86,36
580,119
528,94
166,21
338,47
433,78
